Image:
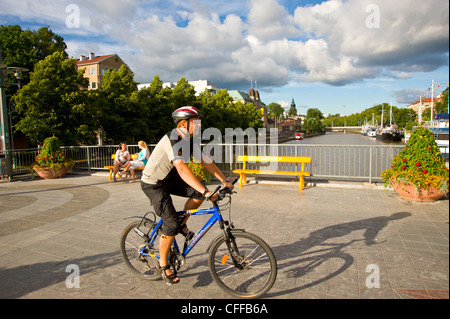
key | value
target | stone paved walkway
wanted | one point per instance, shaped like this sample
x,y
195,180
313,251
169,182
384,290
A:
x,y
329,242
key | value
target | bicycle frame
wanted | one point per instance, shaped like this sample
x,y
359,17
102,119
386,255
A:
x,y
216,216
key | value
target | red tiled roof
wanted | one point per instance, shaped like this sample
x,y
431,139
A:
x,y
97,59
427,100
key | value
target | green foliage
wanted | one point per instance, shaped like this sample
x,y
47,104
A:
x,y
419,163
313,125
24,48
220,112
199,170
49,104
292,111
275,110
314,113
53,99
402,117
442,105
118,112
52,156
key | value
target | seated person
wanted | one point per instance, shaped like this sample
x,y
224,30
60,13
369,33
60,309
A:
x,y
141,161
122,157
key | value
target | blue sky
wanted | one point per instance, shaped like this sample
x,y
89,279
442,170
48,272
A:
x,y
338,56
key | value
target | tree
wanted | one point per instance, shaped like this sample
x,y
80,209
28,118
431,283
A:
x,y
183,94
47,105
156,110
401,117
442,105
216,109
24,48
119,113
292,111
314,113
275,110
220,112
245,116
313,125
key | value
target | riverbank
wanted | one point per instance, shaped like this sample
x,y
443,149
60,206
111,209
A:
x,y
289,136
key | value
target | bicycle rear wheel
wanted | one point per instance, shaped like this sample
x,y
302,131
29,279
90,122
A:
x,y
130,245
255,271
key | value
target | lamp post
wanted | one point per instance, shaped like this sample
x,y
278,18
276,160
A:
x,y
5,138
5,158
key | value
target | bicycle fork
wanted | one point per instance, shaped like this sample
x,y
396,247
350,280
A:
x,y
230,241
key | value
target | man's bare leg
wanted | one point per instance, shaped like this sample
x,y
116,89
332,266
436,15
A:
x,y
164,248
191,203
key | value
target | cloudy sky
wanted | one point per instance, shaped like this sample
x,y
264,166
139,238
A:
x,y
338,56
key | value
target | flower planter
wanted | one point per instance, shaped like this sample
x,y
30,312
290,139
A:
x,y
49,173
422,195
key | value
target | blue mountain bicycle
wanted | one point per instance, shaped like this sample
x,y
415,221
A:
x,y
241,263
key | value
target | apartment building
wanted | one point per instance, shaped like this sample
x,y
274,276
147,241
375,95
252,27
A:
x,y
424,103
96,66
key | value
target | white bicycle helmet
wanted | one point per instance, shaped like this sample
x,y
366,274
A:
x,y
185,113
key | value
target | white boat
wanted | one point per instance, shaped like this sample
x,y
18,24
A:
x,y
372,133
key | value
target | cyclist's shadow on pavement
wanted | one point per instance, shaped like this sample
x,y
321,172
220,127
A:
x,y
309,256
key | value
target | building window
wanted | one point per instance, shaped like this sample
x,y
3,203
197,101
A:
x,y
106,70
93,85
91,71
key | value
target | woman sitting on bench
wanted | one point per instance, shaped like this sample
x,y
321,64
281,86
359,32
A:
x,y
122,157
141,161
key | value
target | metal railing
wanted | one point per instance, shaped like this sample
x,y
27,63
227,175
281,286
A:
x,y
354,162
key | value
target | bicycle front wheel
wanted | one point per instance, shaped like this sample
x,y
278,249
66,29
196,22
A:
x,y
250,273
130,245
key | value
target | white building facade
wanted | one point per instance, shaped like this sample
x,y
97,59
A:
x,y
199,86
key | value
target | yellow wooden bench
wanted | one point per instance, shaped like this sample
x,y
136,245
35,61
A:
x,y
277,159
111,167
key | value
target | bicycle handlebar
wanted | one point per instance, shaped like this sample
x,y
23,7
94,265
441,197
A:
x,y
223,191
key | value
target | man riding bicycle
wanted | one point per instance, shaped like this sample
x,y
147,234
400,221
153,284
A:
x,y
166,173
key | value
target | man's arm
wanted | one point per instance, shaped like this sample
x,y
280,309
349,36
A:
x,y
213,169
187,175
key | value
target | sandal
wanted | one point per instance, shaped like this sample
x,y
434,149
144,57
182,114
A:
x,y
170,279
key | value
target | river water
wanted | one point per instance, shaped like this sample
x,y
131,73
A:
x,y
339,138
340,155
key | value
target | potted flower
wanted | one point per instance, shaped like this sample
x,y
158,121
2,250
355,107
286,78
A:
x,y
51,162
418,172
199,170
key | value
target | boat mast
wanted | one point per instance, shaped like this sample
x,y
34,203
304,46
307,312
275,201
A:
x,y
390,116
432,94
420,111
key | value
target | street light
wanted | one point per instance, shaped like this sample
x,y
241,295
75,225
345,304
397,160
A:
x,y
5,138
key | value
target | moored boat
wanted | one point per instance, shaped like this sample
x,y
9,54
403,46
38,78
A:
x,y
389,134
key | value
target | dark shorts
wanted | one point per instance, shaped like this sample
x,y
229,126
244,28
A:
x,y
159,195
